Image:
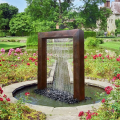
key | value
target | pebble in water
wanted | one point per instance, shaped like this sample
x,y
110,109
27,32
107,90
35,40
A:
x,y
62,96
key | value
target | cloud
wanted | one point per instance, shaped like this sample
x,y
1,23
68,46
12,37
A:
x,y
3,1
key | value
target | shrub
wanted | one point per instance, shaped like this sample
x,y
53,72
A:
x,y
32,40
91,41
12,40
89,34
100,33
100,41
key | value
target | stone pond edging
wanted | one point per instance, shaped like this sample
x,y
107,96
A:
x,y
69,111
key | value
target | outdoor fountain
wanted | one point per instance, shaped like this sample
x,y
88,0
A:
x,y
60,96
78,59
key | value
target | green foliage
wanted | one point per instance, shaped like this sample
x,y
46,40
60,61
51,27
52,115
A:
x,y
100,41
2,33
104,14
117,23
100,33
91,41
90,14
32,40
43,26
89,34
20,23
7,12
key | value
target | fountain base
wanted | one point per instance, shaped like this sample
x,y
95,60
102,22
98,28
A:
x,y
62,96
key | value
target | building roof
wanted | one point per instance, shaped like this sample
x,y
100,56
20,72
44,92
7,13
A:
x,y
115,7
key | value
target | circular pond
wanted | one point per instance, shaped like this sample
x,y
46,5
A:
x,y
37,99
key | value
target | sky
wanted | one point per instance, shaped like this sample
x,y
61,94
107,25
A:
x,y
21,4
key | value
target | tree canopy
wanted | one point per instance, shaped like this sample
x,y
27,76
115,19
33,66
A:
x,y
7,12
20,23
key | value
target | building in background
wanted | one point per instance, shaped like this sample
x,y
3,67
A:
x,y
115,8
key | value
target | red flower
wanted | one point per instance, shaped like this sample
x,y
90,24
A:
x,y
48,59
102,57
99,55
1,99
27,93
117,59
11,65
0,60
8,99
107,56
108,88
0,64
36,63
114,78
15,65
1,91
4,96
85,57
108,92
103,100
88,117
3,60
117,86
81,113
28,63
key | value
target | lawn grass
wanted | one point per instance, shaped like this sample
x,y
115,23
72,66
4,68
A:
x,y
111,45
15,38
8,45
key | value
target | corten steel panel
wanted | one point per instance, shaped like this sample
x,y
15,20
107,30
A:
x,y
78,59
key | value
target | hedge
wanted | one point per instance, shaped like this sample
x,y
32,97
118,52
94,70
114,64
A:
x,y
89,34
2,33
32,40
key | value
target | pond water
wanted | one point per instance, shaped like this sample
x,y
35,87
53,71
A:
x,y
37,99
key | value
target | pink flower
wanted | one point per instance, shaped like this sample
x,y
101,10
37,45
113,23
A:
x,y
10,50
8,99
27,93
102,57
48,59
15,54
9,53
103,100
18,57
21,53
18,50
1,99
2,50
15,65
34,54
81,113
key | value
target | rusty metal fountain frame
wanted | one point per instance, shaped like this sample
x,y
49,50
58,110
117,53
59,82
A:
x,y
78,59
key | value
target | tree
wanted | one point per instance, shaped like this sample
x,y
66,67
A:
x,y
20,23
90,12
8,11
104,14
